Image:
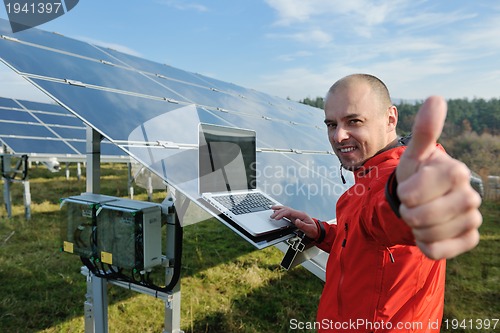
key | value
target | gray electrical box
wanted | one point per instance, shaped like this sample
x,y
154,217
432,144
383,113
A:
x,y
129,234
78,231
115,231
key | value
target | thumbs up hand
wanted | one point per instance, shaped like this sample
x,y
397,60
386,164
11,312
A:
x,y
437,200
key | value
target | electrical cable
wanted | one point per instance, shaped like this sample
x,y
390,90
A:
x,y
177,254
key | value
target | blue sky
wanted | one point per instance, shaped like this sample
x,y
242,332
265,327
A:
x,y
298,48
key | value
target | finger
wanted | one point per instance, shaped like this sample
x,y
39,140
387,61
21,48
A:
x,y
451,247
426,130
308,227
282,212
277,214
459,225
448,207
278,210
433,180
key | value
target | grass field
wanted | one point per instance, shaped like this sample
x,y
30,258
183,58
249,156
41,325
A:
x,y
227,285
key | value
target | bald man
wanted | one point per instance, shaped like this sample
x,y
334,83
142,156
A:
x,y
411,207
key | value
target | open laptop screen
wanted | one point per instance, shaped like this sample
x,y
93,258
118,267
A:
x,y
226,158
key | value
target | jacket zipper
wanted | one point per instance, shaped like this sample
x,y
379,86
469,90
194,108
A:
x,y
341,280
390,255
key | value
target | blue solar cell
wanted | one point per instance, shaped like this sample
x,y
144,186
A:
x,y
64,120
27,146
25,130
204,96
69,133
54,40
115,115
248,94
52,129
27,59
47,107
16,115
154,68
8,103
80,146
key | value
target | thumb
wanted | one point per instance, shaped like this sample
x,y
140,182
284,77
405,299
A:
x,y
427,128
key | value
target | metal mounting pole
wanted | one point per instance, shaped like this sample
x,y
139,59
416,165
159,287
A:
x,y
130,181
67,170
27,199
173,302
96,303
78,170
7,196
173,311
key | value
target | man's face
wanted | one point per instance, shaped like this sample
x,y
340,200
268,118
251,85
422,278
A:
x,y
358,125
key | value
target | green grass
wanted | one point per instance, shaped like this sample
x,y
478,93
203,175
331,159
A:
x,y
227,285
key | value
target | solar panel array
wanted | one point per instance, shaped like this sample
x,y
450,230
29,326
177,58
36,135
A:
x,y
44,130
152,111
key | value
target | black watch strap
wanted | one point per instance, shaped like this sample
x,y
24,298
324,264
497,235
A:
x,y
322,232
391,193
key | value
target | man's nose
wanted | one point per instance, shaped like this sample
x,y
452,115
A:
x,y
340,135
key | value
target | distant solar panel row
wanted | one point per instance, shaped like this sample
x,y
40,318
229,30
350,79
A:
x,y
153,111
35,128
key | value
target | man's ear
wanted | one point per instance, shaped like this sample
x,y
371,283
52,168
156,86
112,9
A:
x,y
392,118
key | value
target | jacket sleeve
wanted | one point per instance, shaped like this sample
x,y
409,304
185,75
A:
x,y
325,241
387,227
380,220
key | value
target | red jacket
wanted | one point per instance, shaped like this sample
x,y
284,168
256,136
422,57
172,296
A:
x,y
377,280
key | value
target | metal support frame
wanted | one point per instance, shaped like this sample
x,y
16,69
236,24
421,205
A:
x,y
8,176
96,303
78,170
130,181
7,197
173,303
96,300
67,170
27,199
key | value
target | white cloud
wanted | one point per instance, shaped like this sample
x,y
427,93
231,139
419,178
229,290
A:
x,y
313,36
293,11
316,37
183,5
296,83
294,56
290,11
484,35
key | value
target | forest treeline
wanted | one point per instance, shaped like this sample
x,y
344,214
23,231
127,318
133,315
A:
x,y
471,132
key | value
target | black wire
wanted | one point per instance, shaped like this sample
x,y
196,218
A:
x,y
177,254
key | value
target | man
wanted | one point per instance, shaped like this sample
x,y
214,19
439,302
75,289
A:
x,y
410,207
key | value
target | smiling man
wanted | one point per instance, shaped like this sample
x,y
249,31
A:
x,y
360,119
410,207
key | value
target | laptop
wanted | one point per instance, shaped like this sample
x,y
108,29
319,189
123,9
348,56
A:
x,y
228,183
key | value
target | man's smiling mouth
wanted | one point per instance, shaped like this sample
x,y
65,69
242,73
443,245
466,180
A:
x,y
347,149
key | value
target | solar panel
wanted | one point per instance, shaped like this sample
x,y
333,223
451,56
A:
x,y
152,111
45,130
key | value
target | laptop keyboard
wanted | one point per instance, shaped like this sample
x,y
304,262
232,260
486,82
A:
x,y
244,203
